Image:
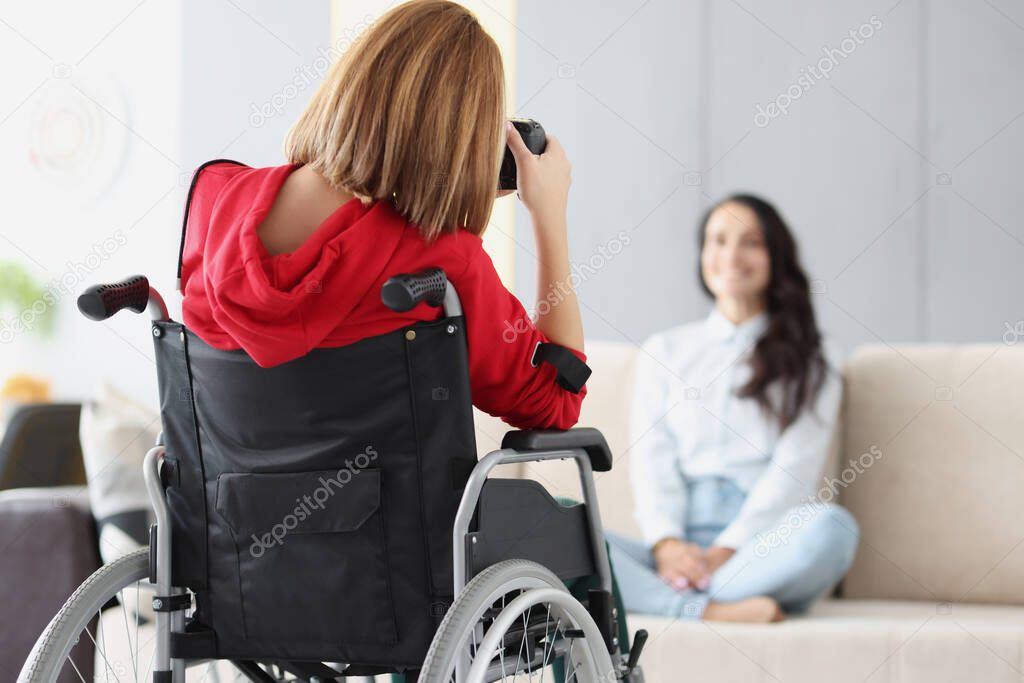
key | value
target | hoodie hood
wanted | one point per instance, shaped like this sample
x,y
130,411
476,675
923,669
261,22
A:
x,y
252,295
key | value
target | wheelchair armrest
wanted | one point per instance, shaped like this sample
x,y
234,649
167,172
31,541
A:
x,y
587,438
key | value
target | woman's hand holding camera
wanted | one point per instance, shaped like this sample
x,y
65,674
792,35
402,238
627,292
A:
x,y
543,180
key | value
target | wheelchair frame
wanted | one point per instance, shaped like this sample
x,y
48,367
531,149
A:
x,y
173,670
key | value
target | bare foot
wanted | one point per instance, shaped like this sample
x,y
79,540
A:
x,y
759,610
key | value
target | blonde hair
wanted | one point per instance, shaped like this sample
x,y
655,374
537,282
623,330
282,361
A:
x,y
413,113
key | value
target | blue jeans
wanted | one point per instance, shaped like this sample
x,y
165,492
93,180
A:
x,y
809,551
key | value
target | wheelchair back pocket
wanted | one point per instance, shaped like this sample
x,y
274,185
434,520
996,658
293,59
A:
x,y
311,555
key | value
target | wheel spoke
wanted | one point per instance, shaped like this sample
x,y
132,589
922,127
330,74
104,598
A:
x,y
522,644
127,632
71,661
138,636
501,652
107,666
569,661
550,642
100,635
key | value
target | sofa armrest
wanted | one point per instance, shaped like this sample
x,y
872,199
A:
x,y
47,548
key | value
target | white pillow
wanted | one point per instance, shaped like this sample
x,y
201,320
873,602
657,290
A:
x,y
116,432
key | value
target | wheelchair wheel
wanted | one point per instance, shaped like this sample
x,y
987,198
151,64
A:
x,y
83,616
112,610
516,621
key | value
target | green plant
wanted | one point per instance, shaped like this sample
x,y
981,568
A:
x,y
25,305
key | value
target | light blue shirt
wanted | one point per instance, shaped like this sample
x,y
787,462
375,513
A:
x,y
686,422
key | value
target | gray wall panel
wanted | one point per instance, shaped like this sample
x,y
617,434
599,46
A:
x,y
976,136
628,116
856,164
249,70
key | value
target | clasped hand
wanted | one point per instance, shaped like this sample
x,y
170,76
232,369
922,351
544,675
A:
x,y
686,565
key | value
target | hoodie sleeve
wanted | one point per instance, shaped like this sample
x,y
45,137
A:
x,y
502,339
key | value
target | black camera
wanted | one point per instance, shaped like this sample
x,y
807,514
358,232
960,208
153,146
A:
x,y
533,135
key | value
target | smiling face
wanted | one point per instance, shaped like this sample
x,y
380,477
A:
x,y
734,260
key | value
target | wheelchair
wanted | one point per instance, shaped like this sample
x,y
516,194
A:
x,y
327,519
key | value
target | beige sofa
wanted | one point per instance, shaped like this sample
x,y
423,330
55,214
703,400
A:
x,y
936,592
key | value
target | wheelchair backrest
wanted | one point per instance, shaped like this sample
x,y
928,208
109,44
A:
x,y
312,502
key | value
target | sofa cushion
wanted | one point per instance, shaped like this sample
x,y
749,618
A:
x,y
941,511
840,641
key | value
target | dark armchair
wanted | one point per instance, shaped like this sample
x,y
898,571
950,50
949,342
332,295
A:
x,y
48,542
41,447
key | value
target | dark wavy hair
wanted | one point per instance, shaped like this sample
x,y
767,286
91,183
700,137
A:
x,y
789,352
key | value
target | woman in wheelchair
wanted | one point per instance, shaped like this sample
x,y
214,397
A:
x,y
321,513
736,413
393,168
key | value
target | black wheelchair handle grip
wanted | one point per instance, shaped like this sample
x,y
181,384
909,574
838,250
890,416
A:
x,y
99,302
403,292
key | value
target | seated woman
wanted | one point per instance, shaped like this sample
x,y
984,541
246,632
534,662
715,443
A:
x,y
732,418
393,168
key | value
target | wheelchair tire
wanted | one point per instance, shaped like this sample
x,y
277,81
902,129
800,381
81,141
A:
x,y
503,596
104,589
50,653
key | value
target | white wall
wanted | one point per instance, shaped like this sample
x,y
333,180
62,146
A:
x,y
655,103
174,84
122,60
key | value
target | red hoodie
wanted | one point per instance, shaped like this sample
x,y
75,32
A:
x,y
327,292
